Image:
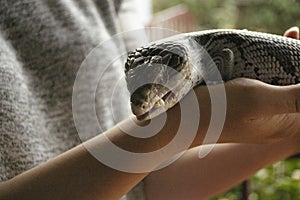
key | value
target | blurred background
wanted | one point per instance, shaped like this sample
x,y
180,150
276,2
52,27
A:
x,y
261,15
281,181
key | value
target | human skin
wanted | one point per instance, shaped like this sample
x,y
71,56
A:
x,y
76,174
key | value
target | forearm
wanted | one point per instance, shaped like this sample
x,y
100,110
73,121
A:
x,y
76,174
227,164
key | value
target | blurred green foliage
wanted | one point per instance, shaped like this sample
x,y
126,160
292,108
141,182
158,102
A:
x,y
273,16
280,181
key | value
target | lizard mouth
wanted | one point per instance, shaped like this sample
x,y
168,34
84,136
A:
x,y
158,107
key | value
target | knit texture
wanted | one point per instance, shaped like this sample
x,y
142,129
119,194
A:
x,y
42,45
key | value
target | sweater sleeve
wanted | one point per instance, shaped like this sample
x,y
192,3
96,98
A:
x,y
42,46
16,123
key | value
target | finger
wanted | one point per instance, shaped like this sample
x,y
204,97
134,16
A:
x,y
251,99
273,128
248,98
271,100
292,32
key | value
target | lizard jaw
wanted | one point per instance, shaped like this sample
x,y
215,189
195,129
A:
x,y
146,112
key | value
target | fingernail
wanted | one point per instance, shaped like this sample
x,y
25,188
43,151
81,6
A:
x,y
292,32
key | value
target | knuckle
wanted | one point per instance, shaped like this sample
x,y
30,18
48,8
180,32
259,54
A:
x,y
290,124
297,100
295,103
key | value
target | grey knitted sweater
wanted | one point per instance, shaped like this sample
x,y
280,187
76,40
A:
x,y
42,45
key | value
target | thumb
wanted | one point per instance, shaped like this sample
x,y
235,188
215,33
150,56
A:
x,y
257,99
278,100
292,32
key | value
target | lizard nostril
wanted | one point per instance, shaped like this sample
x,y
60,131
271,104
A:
x,y
144,106
139,109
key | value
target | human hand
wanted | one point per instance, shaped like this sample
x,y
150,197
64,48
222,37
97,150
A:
x,y
256,112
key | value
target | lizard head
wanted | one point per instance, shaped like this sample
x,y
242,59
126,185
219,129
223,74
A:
x,y
157,77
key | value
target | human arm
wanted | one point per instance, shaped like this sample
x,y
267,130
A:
x,y
76,174
224,167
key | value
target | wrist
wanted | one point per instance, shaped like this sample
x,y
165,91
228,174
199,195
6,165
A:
x,y
296,143
146,136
